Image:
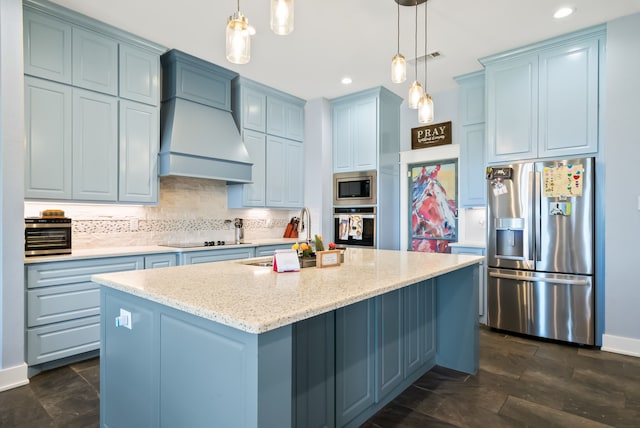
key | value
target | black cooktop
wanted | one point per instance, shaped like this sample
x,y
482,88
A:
x,y
194,244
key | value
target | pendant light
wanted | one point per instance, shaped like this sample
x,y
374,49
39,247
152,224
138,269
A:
x,y
425,105
398,63
282,16
238,38
415,91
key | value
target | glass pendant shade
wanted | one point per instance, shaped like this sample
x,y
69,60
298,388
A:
x,y
425,109
282,16
238,39
415,92
398,69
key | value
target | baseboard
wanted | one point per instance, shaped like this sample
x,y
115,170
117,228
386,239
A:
x,y
621,345
13,377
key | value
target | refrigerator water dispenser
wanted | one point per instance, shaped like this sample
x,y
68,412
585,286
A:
x,y
509,237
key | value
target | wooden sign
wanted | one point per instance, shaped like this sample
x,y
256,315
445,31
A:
x,y
431,135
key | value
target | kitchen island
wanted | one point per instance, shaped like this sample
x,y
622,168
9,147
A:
x,y
234,344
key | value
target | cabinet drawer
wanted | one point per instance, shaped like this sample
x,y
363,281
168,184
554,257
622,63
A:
x,y
61,273
468,250
62,303
160,260
268,250
63,339
216,255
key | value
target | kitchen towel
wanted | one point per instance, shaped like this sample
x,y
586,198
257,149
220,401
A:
x,y
344,227
356,227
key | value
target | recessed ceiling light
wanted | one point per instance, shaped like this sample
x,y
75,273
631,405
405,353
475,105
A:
x,y
346,80
563,12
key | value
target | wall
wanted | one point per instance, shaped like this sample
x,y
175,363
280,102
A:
x,y
621,152
189,210
13,370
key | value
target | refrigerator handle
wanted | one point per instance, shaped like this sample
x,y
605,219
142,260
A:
x,y
531,191
538,218
539,279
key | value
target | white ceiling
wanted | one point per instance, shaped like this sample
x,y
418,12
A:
x,y
336,38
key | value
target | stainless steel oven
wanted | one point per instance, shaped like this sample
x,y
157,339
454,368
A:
x,y
47,236
354,188
354,226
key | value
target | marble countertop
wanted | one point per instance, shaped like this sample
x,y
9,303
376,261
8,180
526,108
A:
x,y
256,299
91,253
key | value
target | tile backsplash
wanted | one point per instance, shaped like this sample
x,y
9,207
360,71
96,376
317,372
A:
x,y
190,210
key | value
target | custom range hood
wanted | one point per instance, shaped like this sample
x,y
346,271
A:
x,y
198,135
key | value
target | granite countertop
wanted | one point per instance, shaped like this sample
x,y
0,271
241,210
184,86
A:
x,y
91,253
256,299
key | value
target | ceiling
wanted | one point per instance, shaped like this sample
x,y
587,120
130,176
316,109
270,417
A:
x,y
356,38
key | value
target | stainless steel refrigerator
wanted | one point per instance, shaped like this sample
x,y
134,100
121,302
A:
x,y
540,261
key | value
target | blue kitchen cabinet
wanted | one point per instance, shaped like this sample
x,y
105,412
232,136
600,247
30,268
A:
x,y
252,194
355,360
63,309
419,327
471,132
272,125
542,99
355,133
48,139
390,339
155,261
284,118
47,47
482,293
94,62
284,173
95,146
268,250
138,152
208,256
139,72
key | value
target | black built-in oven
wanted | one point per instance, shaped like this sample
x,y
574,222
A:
x,y
354,226
47,236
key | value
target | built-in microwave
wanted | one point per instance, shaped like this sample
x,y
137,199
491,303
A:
x,y
354,188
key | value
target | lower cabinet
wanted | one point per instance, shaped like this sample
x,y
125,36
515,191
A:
x,y
381,346
268,250
482,295
207,256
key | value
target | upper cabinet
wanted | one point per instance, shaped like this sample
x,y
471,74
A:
x,y
542,100
365,130
91,109
471,103
272,125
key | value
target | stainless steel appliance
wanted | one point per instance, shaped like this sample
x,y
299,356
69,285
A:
x,y
355,188
47,236
541,249
354,226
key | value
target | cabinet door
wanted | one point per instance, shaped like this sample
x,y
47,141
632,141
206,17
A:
x,y
355,365
472,105
254,110
472,166
207,256
268,250
365,147
253,195
481,280
95,62
343,136
569,100
390,342
285,173
160,260
512,109
48,139
139,145
139,75
47,47
285,119
95,146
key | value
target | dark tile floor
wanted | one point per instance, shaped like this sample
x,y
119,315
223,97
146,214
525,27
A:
x,y
521,382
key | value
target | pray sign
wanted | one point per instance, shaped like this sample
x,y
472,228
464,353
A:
x,y
431,135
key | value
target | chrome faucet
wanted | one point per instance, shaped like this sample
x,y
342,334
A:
x,y
301,225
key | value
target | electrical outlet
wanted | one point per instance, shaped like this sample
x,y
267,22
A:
x,y
124,320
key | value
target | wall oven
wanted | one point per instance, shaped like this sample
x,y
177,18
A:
x,y
354,188
47,236
354,226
